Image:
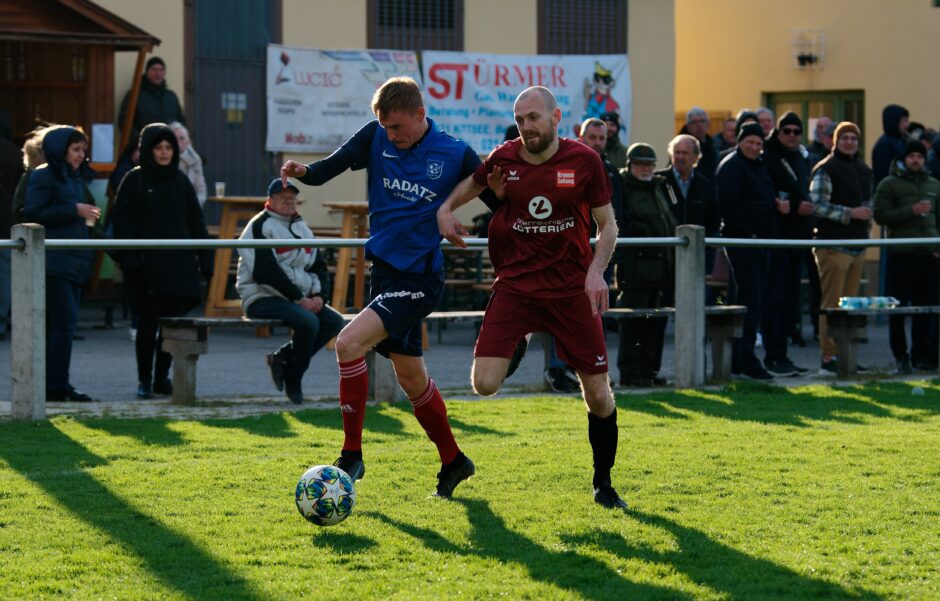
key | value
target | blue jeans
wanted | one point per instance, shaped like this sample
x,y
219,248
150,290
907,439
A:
x,y
62,297
311,330
4,289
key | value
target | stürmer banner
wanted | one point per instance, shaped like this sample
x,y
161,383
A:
x,y
470,95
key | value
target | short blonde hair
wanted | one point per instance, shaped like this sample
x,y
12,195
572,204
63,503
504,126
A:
x,y
397,94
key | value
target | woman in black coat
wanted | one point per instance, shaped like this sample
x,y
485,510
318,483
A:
x,y
156,201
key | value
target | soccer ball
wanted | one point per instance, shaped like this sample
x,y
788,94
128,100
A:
x,y
325,495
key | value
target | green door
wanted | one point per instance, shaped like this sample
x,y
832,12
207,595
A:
x,y
810,106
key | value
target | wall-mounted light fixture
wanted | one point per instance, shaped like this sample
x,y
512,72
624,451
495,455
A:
x,y
809,48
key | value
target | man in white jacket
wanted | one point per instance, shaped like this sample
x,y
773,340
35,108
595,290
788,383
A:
x,y
282,283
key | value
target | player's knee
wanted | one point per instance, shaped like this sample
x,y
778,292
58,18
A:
x,y
347,348
485,384
600,405
412,384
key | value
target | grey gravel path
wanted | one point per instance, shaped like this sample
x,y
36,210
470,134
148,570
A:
x,y
233,379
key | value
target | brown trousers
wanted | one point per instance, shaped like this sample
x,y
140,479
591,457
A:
x,y
839,275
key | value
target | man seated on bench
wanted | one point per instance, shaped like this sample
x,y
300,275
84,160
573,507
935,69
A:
x,y
282,283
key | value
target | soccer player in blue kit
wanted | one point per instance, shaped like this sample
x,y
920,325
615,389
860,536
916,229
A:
x,y
412,167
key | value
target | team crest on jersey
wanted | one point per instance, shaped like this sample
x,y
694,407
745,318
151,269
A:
x,y
435,168
565,178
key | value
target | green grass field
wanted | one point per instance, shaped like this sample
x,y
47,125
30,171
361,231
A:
x,y
746,493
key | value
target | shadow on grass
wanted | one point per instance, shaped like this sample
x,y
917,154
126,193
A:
x,y
55,462
389,419
745,401
155,431
341,543
717,566
490,538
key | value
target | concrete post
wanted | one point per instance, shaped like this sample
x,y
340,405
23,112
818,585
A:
x,y
690,308
383,384
28,347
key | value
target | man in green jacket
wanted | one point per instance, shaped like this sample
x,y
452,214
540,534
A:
x,y
905,203
644,274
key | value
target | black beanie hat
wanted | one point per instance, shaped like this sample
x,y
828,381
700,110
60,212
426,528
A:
x,y
914,146
154,60
743,116
750,129
789,118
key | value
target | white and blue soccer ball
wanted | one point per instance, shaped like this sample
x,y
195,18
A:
x,y
325,495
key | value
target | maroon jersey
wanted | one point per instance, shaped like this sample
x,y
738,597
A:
x,y
539,238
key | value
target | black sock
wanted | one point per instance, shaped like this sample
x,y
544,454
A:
x,y
352,455
458,461
602,432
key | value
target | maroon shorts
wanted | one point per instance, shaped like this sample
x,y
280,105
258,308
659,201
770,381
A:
x,y
579,336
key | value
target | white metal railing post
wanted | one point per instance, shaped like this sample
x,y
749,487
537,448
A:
x,y
690,308
28,347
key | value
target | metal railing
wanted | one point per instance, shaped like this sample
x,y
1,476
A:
x,y
28,269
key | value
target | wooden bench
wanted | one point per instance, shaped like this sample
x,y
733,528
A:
x,y
185,338
848,327
723,323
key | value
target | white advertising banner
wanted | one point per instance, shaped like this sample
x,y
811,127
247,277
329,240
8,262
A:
x,y
471,95
317,99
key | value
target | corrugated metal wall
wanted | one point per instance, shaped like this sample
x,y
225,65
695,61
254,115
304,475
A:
x,y
229,121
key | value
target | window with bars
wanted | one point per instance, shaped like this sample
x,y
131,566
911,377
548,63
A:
x,y
416,24
582,26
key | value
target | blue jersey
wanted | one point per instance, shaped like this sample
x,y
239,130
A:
x,y
406,187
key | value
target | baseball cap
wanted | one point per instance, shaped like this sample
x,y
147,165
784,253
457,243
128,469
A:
x,y
275,186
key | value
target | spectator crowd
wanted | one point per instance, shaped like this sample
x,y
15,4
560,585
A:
x,y
759,177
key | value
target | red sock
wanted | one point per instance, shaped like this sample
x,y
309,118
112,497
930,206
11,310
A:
x,y
431,412
353,390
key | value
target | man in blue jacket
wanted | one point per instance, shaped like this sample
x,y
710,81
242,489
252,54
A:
x,y
412,166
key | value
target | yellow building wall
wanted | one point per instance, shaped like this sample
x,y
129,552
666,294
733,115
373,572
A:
x,y
163,20
501,26
651,48
334,25
729,52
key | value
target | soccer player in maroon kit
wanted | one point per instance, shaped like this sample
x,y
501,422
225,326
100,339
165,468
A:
x,y
546,274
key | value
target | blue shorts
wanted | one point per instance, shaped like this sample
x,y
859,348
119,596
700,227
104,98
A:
x,y
402,300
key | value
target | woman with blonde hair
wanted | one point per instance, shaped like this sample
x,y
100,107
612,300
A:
x,y
190,161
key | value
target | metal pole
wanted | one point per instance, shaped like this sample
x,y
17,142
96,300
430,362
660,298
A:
x,y
690,308
28,347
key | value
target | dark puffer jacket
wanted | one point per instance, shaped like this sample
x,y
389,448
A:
x,y
52,196
890,144
155,202
646,213
155,104
894,199
746,198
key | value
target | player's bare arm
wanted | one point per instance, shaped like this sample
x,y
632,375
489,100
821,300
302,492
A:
x,y
594,285
447,223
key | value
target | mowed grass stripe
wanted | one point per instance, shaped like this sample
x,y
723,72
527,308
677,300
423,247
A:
x,y
751,492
